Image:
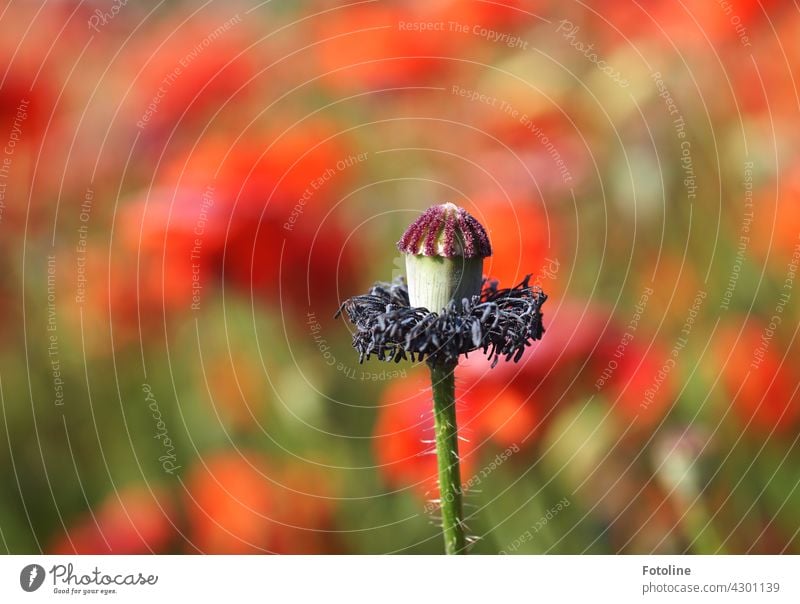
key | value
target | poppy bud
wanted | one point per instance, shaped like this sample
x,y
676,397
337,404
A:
x,y
444,248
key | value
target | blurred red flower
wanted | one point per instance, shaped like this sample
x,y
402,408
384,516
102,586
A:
x,y
228,504
541,154
273,198
239,504
692,26
35,105
388,44
776,227
260,215
374,46
513,402
305,510
404,433
134,520
187,71
643,382
170,238
506,15
521,243
762,385
148,274
34,67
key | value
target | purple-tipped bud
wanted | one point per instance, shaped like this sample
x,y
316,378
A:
x,y
444,249
446,231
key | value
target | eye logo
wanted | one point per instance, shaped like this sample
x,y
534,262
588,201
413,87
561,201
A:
x,y
31,577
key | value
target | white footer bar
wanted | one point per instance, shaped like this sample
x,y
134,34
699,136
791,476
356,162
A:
x,y
406,579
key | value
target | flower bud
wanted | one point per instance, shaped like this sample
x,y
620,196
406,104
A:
x,y
444,248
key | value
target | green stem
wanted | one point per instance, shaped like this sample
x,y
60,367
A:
x,y
444,414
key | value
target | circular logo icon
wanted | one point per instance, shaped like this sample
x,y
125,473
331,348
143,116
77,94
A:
x,y
31,577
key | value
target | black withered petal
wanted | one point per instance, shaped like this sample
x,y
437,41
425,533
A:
x,y
501,323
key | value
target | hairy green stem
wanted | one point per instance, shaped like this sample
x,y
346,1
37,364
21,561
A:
x,y
444,414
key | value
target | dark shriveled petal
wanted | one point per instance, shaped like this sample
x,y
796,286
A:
x,y
501,323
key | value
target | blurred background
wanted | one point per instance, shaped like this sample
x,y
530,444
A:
x,y
188,191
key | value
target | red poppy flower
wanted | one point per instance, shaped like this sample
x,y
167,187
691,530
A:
x,y
271,204
186,72
229,503
503,413
521,243
174,238
374,46
762,385
776,227
386,44
133,520
694,25
541,153
241,504
34,65
513,402
259,215
507,16
304,511
641,382
35,106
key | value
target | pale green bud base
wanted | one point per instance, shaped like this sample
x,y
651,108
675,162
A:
x,y
433,281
